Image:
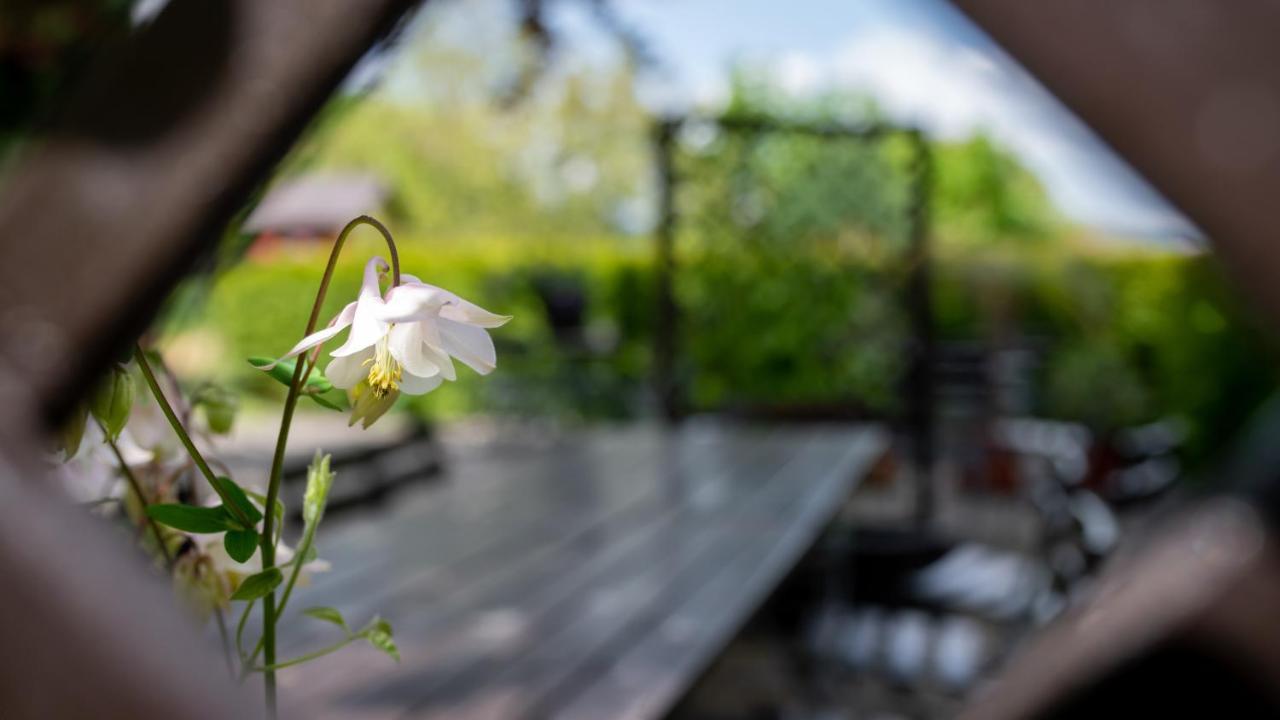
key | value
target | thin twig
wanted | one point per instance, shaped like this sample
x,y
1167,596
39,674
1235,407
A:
x,y
309,656
181,431
137,490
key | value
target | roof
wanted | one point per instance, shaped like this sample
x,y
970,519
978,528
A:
x,y
317,203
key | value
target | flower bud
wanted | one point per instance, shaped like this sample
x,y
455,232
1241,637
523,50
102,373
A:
x,y
319,480
219,407
113,400
73,432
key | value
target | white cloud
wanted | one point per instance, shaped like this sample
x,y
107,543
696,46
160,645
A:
x,y
799,73
953,90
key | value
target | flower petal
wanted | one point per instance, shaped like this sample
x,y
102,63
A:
x,y
406,346
457,309
336,325
344,372
406,303
412,384
433,347
366,328
369,287
441,359
470,344
472,314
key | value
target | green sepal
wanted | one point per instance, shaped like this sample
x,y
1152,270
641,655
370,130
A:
x,y
282,372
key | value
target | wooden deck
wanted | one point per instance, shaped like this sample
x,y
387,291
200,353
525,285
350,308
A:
x,y
592,578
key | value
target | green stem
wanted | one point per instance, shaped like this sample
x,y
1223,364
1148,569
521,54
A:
x,y
137,490
309,656
181,431
304,546
308,539
244,619
269,613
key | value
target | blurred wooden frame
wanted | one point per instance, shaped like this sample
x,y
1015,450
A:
x,y
165,140
172,131
1189,92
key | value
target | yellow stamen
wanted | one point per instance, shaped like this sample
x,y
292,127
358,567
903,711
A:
x,y
385,372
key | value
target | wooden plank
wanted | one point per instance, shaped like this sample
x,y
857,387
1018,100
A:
x,y
536,623
492,495
484,511
646,679
770,534
588,614
537,590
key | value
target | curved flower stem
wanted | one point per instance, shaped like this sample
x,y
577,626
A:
x,y
282,440
181,431
137,490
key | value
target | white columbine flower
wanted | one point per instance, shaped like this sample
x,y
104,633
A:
x,y
403,342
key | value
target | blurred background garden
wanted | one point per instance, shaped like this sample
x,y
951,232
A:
x,y
863,214
526,181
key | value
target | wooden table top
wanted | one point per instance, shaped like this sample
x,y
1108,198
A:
x,y
590,577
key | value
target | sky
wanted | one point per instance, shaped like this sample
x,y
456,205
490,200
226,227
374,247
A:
x,y
923,61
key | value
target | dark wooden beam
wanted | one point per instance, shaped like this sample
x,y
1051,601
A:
x,y
1188,91
107,211
160,146
1183,628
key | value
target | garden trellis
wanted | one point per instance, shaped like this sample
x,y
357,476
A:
x,y
891,160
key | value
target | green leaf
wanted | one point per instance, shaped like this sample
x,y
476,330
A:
x,y
256,586
240,544
192,519
379,636
329,615
319,480
237,497
283,371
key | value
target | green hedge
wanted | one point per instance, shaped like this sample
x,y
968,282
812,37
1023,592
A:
x,y
1127,337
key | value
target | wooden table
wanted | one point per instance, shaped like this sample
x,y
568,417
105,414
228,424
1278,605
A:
x,y
591,577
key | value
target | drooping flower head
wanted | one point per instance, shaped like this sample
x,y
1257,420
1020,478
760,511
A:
x,y
404,341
